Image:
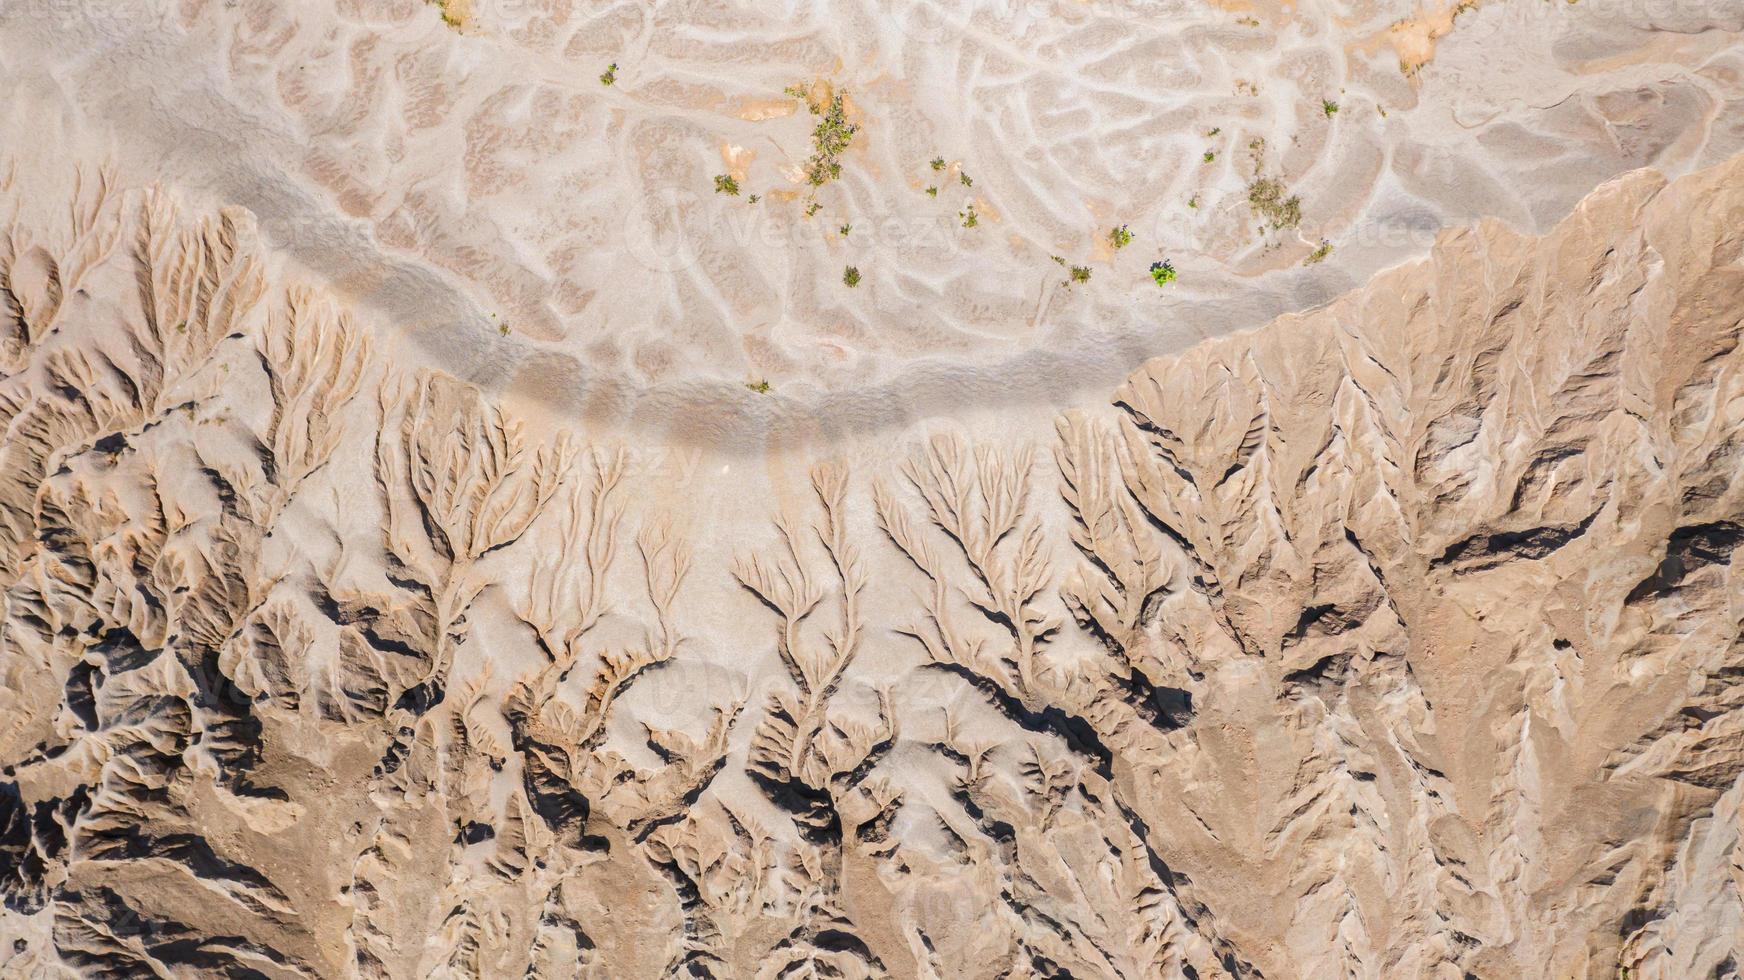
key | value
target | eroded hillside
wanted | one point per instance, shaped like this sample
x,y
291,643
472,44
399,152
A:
x,y
1399,638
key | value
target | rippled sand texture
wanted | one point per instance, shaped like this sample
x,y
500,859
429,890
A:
x,y
462,171
443,536
1397,639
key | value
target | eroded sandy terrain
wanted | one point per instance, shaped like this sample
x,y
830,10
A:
x,y
402,578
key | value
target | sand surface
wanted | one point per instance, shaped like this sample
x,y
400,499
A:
x,y
454,181
443,536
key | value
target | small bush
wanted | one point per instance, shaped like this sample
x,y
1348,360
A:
x,y
1266,196
1162,273
610,75
851,277
1328,106
725,184
1119,237
760,387
829,138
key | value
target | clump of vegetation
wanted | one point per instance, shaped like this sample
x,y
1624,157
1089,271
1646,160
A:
x,y
1328,106
966,180
1210,156
851,277
1162,273
725,184
1119,237
610,75
938,163
970,218
453,18
1214,131
829,138
1319,254
932,191
760,387
1074,273
1248,21
1193,202
754,198
845,229
1266,196
813,208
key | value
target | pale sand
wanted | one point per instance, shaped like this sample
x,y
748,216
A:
x,y
1368,686
453,181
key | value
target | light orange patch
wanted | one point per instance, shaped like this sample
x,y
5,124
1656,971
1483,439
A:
x,y
1413,39
736,159
455,13
757,110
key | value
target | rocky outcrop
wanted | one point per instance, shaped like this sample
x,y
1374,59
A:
x,y
1398,638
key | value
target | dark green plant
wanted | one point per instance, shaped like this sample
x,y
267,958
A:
x,y
760,387
1119,237
725,184
1328,106
829,138
938,163
1162,273
851,277
970,218
610,75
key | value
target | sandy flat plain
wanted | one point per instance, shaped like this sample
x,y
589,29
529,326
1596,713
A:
x,y
458,178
